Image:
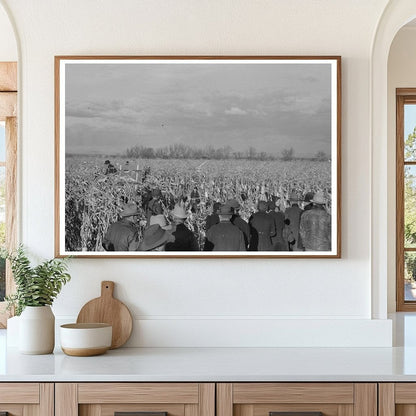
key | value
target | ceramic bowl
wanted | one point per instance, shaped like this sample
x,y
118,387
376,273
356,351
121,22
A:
x,y
83,340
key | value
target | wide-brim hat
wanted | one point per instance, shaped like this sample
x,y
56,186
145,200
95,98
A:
x,y
129,210
179,212
319,198
153,237
161,220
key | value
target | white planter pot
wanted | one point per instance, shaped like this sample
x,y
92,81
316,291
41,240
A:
x,y
37,330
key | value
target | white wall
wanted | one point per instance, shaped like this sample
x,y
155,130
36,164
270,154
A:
x,y
212,302
401,74
8,46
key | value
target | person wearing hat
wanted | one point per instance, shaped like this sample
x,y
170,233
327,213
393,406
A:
x,y
293,214
214,217
195,199
224,236
154,238
279,225
307,201
184,238
238,221
154,205
315,225
123,234
161,220
262,229
109,168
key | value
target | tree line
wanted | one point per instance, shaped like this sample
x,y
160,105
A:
x,y
182,151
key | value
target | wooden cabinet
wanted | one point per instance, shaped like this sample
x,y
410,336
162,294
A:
x,y
208,399
397,399
105,399
331,399
27,399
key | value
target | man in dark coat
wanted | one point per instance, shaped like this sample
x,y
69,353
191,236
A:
x,y
213,218
293,214
154,206
307,201
123,234
238,221
195,199
279,224
109,168
315,225
262,229
184,238
224,236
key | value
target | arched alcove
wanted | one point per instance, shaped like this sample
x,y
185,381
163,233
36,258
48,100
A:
x,y
8,148
396,15
401,74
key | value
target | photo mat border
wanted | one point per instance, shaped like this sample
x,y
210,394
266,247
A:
x,y
59,112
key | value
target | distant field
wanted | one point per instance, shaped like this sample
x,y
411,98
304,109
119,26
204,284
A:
x,y
94,200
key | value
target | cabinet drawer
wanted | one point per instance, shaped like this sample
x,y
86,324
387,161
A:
x,y
21,399
397,399
309,399
149,399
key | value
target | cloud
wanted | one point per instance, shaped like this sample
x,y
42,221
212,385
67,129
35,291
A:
x,y
235,111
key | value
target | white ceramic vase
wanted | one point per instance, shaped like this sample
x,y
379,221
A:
x,y
37,330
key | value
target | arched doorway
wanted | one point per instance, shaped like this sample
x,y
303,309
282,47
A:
x,y
395,16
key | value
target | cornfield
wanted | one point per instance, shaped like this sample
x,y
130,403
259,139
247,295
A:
x,y
94,200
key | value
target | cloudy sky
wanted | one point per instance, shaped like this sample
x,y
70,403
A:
x,y
110,107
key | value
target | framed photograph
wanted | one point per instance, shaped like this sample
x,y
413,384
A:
x,y
198,156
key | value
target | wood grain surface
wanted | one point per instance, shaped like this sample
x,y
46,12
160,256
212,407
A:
x,y
8,76
252,393
107,393
109,310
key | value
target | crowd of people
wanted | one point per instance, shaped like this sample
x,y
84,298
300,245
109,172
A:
x,y
305,225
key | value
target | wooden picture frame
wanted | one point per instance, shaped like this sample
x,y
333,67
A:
x,y
184,132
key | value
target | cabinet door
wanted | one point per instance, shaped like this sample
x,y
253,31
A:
x,y
397,399
297,399
26,399
142,399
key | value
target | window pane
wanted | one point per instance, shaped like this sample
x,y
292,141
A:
x,y
410,132
410,275
410,206
2,230
2,141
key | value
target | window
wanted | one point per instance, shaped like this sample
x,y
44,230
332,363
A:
x,y
406,199
8,165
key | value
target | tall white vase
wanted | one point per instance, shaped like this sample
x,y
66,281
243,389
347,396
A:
x,y
37,330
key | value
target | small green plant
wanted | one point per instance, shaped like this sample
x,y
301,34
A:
x,y
35,286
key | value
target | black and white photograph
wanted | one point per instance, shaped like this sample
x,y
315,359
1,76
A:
x,y
197,156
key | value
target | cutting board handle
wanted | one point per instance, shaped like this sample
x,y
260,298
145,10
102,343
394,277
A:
x,y
107,289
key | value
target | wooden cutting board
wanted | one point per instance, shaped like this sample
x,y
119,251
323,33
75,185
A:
x,y
108,310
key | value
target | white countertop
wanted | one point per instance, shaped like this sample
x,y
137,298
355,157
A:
x,y
215,364
221,364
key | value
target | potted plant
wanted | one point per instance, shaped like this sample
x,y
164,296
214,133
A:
x,y
36,289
